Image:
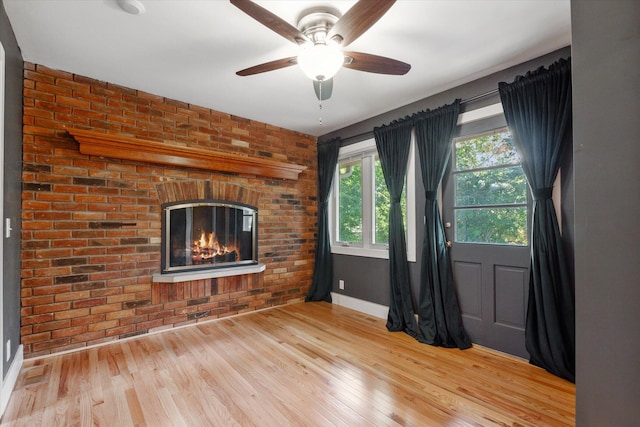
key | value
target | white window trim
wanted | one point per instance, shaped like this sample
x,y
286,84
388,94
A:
x,y
480,113
378,251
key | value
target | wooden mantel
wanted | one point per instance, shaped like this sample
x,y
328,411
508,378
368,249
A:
x,y
115,145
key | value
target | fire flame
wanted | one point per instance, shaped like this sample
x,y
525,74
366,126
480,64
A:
x,y
208,247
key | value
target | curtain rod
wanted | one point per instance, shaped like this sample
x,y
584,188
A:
x,y
369,134
482,95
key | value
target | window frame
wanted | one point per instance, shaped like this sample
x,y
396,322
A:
x,y
367,151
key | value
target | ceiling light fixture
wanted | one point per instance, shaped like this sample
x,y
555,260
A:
x,y
321,61
133,7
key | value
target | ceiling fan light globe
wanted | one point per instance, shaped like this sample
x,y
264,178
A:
x,y
321,62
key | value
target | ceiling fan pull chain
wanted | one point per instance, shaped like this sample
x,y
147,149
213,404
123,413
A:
x,y
320,101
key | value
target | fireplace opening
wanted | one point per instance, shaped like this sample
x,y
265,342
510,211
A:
x,y
208,234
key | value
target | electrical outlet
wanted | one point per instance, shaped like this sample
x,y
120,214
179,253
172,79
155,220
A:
x,y
341,284
8,356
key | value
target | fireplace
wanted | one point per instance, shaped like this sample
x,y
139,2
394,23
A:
x,y
208,234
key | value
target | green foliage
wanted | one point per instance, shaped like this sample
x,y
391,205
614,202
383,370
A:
x,y
383,202
486,151
492,225
505,185
350,202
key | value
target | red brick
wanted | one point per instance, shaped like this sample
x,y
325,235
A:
x,y
120,314
92,302
73,102
72,314
52,72
50,326
48,345
51,308
106,308
69,332
41,318
38,300
108,324
59,91
121,330
42,336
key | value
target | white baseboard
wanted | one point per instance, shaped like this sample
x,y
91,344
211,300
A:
x,y
371,308
10,380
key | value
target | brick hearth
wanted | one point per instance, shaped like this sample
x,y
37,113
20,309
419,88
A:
x,y
91,225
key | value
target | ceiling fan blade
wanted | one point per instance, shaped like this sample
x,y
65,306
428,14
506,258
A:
x,y
271,21
359,19
323,89
269,66
375,64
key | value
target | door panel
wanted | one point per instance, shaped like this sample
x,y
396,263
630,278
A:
x,y
469,290
510,296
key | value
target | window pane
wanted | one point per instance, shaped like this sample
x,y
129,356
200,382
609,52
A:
x,y
492,225
350,201
491,187
382,203
485,151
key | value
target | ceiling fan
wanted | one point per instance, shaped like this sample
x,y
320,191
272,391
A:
x,y
322,34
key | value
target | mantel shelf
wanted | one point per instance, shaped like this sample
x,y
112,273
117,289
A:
x,y
115,145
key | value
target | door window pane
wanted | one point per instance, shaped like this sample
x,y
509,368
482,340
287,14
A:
x,y
505,185
490,202
486,151
497,225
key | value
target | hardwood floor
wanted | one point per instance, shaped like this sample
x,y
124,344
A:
x,y
312,364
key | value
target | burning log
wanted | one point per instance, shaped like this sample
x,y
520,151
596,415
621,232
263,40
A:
x,y
207,250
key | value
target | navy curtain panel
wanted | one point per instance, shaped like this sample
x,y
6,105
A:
x,y
393,143
439,319
537,108
321,282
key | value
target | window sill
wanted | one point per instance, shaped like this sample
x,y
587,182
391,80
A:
x,y
366,253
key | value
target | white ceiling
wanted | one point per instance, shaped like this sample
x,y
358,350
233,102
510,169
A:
x,y
189,50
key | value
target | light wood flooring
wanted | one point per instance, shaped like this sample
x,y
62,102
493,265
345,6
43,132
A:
x,y
304,364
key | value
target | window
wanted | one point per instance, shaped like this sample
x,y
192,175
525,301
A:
x,y
360,204
490,203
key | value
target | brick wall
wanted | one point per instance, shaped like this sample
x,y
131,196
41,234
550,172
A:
x,y
84,283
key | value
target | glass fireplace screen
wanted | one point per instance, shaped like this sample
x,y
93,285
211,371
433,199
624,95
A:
x,y
204,235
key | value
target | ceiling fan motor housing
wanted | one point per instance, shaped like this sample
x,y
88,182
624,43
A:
x,y
316,25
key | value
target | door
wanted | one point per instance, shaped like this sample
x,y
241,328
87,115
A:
x,y
486,216
3,356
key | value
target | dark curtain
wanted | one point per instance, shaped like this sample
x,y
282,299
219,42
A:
x,y
393,143
321,283
439,319
538,111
